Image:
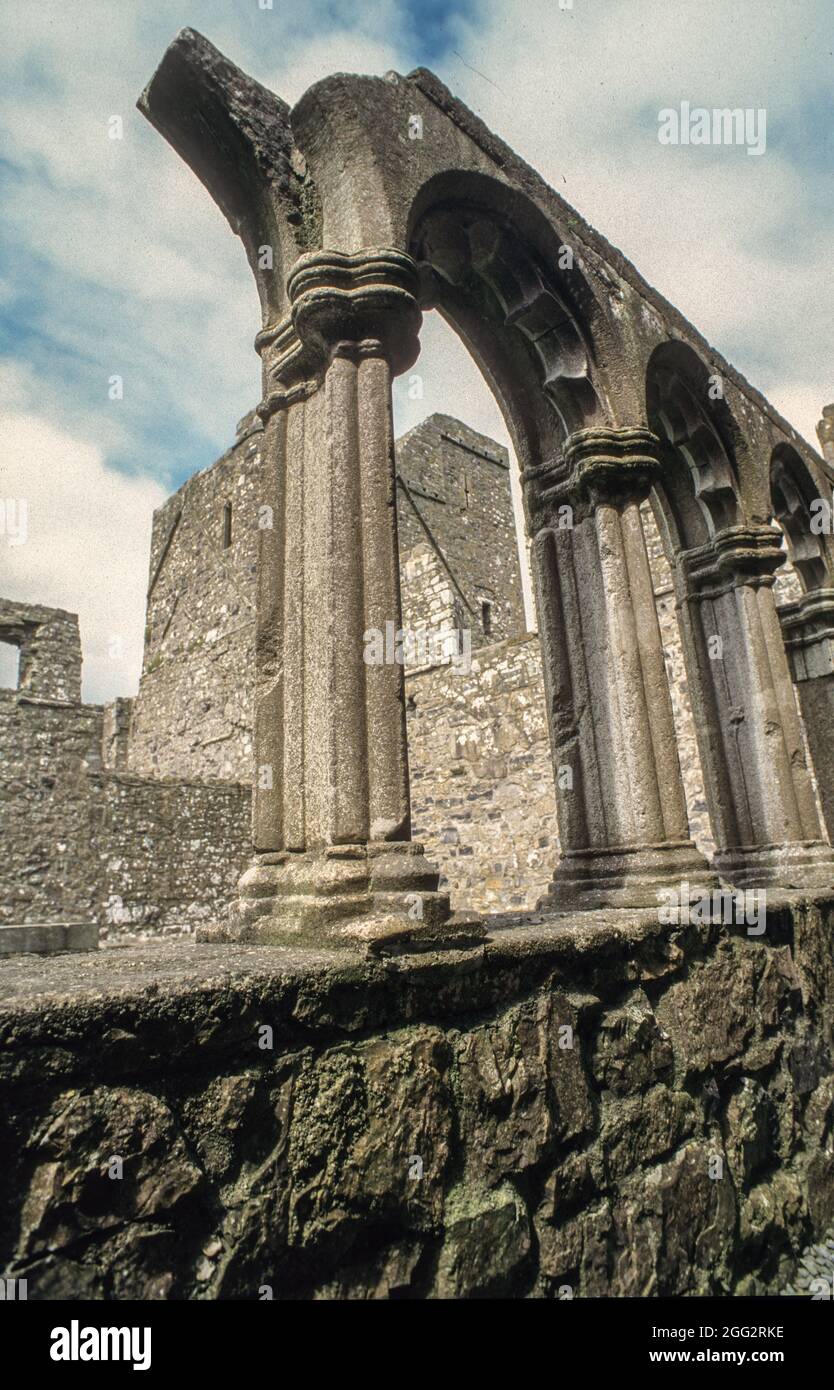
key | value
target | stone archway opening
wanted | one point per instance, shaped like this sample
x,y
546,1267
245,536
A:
x,y
482,796
805,598
759,790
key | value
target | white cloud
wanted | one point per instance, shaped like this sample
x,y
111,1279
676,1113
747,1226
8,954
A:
x,y
86,548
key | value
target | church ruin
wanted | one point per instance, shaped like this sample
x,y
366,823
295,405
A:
x,y
350,1085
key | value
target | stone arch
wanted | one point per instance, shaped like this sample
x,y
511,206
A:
x,y
477,244
793,495
807,622
699,491
509,283
380,196
759,790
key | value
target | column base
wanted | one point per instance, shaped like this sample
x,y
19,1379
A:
x,y
383,894
626,876
799,865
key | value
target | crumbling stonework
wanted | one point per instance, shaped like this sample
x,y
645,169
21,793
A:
x,y
83,842
618,1109
49,664
454,500
193,715
479,754
342,1088
612,400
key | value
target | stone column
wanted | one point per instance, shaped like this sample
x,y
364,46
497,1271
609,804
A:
x,y
334,858
761,797
622,813
808,629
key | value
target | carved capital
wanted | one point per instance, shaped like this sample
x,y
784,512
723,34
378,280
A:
x,y
735,556
613,466
341,305
596,467
808,629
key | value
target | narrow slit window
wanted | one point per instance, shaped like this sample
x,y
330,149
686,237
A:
x,y
227,525
486,619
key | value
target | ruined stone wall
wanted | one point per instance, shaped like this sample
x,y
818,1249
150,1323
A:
x,y
433,615
454,494
611,1110
82,842
49,662
482,793
192,717
482,782
167,854
48,751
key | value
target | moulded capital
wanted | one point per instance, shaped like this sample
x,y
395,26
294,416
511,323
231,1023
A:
x,y
364,304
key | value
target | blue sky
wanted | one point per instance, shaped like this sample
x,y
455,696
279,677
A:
x,y
114,260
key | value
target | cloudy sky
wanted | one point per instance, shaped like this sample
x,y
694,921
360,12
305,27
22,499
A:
x,y
115,261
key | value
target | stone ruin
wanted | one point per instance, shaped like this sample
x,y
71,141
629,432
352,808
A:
x,y
345,1088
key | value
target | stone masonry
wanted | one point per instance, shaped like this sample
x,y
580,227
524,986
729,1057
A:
x,y
85,840
544,1118
479,751
344,1087
458,562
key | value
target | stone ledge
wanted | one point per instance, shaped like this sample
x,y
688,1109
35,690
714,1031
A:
x,y
47,937
167,1004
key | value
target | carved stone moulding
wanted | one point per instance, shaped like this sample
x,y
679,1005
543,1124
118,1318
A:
x,y
596,467
626,876
808,629
365,304
380,895
735,556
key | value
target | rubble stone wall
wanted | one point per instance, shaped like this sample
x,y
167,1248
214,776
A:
x,y
454,494
617,1110
167,854
482,791
83,841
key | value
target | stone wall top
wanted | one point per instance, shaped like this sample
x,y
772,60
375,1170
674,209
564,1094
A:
x,y
165,1004
50,649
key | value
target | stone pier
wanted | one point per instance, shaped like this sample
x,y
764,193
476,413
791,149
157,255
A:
x,y
623,826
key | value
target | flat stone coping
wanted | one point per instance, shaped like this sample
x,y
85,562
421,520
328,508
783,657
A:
x,y
169,969
47,937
